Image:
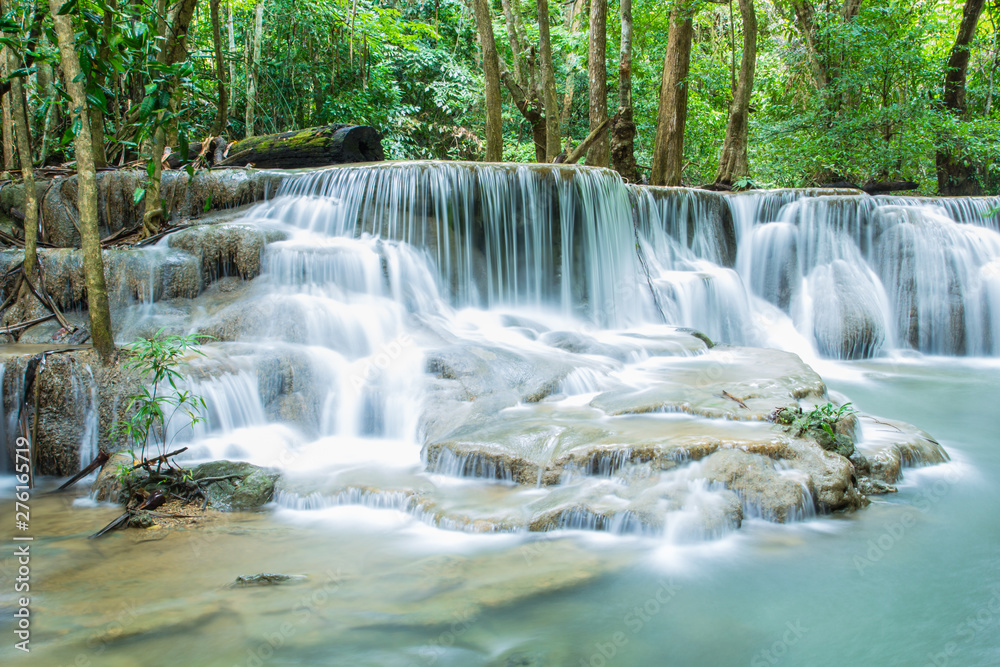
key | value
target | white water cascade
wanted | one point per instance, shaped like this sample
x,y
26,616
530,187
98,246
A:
x,y
416,325
419,324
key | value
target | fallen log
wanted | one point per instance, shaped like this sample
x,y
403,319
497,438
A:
x,y
96,464
584,146
312,147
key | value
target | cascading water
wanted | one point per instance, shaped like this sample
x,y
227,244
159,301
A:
x,y
548,288
414,324
495,350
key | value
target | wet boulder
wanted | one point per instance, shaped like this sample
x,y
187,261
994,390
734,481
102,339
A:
x,y
765,490
235,485
849,315
230,249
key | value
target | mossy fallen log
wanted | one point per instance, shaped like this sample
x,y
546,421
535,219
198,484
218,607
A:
x,y
312,147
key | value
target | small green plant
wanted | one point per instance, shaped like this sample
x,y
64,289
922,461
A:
x,y
122,471
154,406
821,424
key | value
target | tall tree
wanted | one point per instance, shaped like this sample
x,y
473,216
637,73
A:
x,y
8,123
90,240
222,114
22,133
173,50
522,84
491,67
956,175
597,77
573,15
733,163
98,79
668,152
253,67
551,102
623,131
232,49
46,90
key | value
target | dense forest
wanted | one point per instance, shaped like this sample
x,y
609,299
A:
x,y
744,93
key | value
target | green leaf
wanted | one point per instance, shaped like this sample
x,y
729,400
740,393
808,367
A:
x,y
139,193
146,107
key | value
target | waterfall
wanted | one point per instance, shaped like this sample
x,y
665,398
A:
x,y
856,275
517,235
393,335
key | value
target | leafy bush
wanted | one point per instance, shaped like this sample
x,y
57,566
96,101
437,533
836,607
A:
x,y
153,407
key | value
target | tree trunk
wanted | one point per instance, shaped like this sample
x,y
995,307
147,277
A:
x,y
253,65
23,140
232,50
956,175
521,84
222,115
668,152
173,51
805,18
551,102
491,67
8,124
733,163
312,147
623,130
573,15
90,240
46,90
531,109
597,78
516,42
97,130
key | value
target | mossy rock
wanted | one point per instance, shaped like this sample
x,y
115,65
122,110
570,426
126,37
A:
x,y
246,487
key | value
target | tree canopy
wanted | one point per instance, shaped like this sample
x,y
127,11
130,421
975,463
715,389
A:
x,y
850,92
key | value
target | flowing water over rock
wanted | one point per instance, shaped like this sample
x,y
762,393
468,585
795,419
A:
x,y
519,324
446,353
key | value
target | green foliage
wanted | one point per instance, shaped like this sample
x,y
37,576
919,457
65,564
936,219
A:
x,y
151,410
823,423
122,470
411,68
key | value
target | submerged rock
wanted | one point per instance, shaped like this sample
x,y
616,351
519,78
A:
x,y
266,579
755,379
